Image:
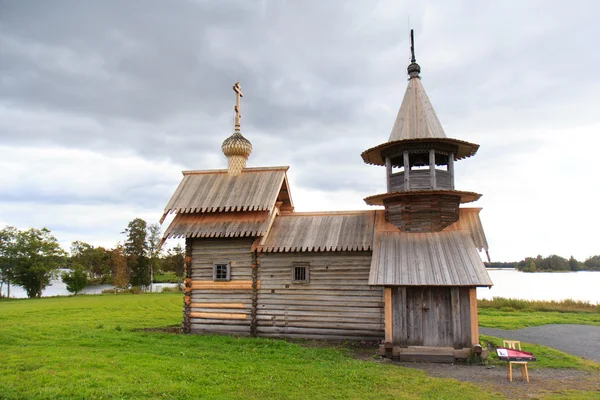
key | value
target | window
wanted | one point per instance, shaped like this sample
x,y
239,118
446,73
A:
x,y
221,272
300,272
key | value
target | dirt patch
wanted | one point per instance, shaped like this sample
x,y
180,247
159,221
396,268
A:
x,y
541,381
168,329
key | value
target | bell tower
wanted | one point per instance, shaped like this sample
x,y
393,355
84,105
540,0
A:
x,y
419,160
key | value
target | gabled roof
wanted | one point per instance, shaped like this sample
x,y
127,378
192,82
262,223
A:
x,y
326,231
468,220
255,189
446,258
217,225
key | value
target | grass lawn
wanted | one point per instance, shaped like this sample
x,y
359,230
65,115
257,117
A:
x,y
494,318
92,347
167,277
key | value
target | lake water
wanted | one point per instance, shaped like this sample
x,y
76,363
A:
x,y
58,288
510,283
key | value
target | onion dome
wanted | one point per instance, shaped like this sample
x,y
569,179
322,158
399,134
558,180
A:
x,y
237,149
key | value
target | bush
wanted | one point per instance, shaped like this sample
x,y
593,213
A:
x,y
511,305
168,289
131,290
167,277
75,280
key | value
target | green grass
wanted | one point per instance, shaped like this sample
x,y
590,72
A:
x,y
546,357
504,319
567,305
167,277
92,347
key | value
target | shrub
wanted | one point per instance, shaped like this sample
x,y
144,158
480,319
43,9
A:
x,y
512,305
75,280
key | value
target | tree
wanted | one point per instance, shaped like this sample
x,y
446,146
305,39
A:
x,y
174,261
574,264
76,279
93,259
120,273
154,236
136,251
8,238
38,256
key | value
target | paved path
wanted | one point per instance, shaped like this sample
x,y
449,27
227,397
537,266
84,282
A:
x,y
579,340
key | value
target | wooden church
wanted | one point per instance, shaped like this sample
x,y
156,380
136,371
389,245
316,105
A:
x,y
404,274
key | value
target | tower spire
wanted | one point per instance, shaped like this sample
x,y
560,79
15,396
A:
x,y
413,69
236,148
412,46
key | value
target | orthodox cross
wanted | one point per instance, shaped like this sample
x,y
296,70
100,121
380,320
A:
x,y
412,46
238,93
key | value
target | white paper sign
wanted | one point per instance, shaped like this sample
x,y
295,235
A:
x,y
502,352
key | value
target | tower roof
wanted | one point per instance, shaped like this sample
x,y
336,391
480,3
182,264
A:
x,y
417,123
416,118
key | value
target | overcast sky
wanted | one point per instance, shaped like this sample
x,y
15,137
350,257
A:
x,y
103,103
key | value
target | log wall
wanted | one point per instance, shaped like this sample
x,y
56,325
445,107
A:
x,y
219,306
337,302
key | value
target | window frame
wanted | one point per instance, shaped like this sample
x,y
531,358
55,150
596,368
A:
x,y
228,271
305,265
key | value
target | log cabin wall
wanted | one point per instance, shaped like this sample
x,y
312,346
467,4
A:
x,y
336,302
221,306
431,316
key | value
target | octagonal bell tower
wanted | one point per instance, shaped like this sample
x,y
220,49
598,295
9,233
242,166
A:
x,y
419,160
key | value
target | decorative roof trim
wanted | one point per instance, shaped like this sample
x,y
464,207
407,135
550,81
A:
x,y
465,197
224,171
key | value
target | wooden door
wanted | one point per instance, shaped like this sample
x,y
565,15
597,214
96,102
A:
x,y
431,316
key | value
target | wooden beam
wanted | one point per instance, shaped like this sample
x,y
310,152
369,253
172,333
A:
x,y
456,317
406,172
388,169
432,181
473,315
231,285
217,305
451,169
207,315
387,303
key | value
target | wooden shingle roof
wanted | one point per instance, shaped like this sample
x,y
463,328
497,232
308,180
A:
x,y
218,225
327,231
416,123
416,118
255,189
447,258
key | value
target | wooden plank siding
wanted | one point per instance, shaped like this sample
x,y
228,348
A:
x,y
420,180
431,316
210,312
337,302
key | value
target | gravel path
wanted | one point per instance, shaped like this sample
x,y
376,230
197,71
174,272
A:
x,y
579,340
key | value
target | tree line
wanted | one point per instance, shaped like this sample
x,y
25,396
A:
x,y
32,258
550,263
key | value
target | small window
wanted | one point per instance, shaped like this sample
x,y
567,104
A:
x,y
221,272
300,272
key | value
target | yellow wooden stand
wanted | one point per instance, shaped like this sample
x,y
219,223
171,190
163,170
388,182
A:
x,y
515,345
